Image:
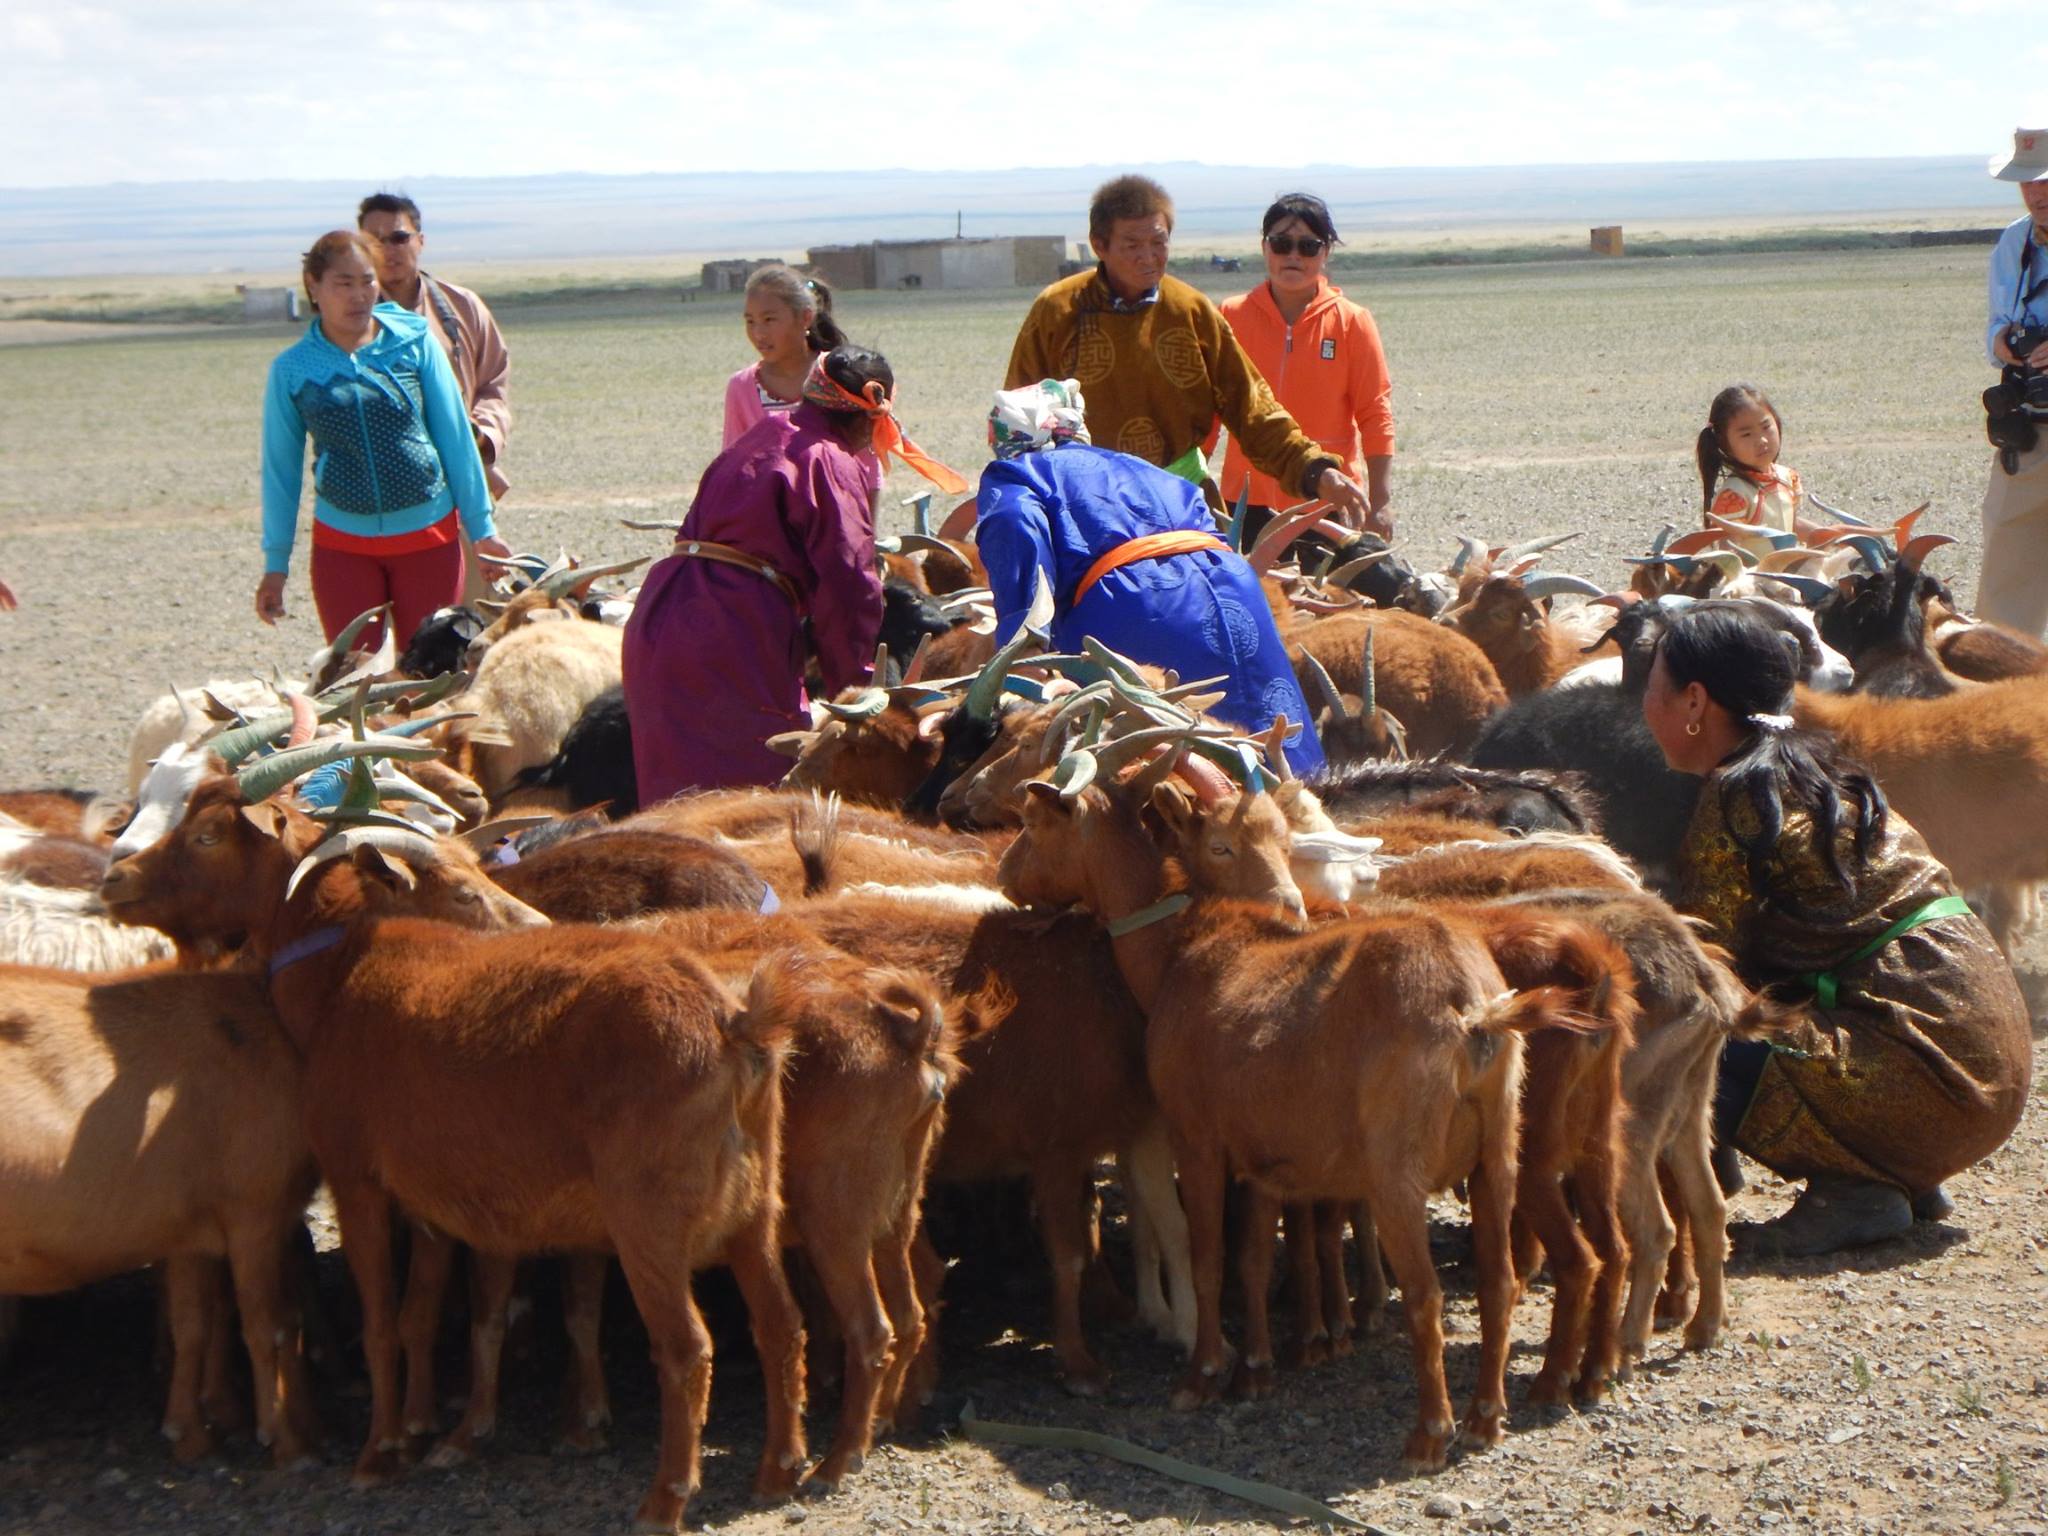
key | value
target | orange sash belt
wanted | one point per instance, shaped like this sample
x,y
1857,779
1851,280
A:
x,y
1151,546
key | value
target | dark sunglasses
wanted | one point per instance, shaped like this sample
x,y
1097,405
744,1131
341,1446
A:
x,y
407,236
1287,245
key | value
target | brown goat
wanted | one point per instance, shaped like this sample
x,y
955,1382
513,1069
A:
x,y
1257,1049
1528,649
615,874
154,1117
872,759
1058,1083
1969,771
1437,683
71,813
518,1092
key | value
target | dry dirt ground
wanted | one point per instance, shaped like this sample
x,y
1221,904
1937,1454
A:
x,y
1904,1388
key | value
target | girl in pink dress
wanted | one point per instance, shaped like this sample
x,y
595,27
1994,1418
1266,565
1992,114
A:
x,y
789,322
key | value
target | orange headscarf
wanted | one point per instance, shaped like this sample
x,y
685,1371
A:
x,y
820,388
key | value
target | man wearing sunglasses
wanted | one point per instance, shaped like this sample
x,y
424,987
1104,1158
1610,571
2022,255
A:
x,y
459,320
1159,364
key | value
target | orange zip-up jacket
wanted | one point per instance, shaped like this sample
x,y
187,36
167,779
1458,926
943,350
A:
x,y
1331,375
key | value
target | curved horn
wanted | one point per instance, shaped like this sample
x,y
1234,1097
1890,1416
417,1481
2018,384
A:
x,y
491,833
1811,589
652,524
865,705
1274,744
1342,575
344,844
1846,518
914,673
1911,554
260,780
1541,584
790,743
1370,705
1094,696
1467,548
920,512
1872,549
1285,528
1530,547
1234,536
1181,693
560,584
1663,537
987,686
424,723
1073,774
1325,685
305,717
931,544
1902,530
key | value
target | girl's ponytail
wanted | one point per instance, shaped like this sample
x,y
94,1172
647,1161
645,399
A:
x,y
1707,451
824,333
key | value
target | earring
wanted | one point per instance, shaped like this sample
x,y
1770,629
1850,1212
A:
x,y
1692,728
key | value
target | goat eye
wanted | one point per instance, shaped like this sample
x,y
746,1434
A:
x,y
206,839
1220,850
464,893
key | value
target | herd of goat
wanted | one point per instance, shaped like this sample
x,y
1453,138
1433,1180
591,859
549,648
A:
x,y
1010,915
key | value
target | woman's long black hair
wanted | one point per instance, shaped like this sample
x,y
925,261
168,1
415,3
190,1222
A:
x,y
1748,668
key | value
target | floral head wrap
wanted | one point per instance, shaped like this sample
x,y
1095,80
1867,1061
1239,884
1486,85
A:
x,y
1041,415
820,388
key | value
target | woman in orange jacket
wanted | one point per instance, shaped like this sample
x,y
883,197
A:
x,y
1319,351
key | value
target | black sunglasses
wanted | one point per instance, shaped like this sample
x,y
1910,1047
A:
x,y
1287,245
406,237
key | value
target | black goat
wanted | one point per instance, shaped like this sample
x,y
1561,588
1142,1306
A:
x,y
908,615
1879,621
441,643
1516,802
595,764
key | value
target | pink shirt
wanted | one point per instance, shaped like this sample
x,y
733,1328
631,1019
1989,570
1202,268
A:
x,y
747,403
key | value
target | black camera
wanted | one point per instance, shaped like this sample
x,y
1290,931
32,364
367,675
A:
x,y
2020,340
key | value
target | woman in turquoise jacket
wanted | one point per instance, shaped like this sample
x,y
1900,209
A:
x,y
394,462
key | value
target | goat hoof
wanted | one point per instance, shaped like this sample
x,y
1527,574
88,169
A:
x,y
375,1468
1252,1382
1340,1343
1425,1449
1485,1425
1548,1391
580,1440
1589,1391
455,1451
1089,1381
189,1445
775,1483
1701,1336
835,1469
1309,1351
660,1513
1195,1388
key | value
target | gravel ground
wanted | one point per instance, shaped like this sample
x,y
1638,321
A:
x,y
1902,1388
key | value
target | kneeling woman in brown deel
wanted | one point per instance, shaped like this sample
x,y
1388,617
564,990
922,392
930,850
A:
x,y
777,556
1917,1058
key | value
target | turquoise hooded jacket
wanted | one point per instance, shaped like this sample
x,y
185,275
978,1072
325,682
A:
x,y
392,448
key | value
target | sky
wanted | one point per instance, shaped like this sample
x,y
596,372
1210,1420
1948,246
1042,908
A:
x,y
179,90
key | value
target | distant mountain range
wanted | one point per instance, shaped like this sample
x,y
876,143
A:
x,y
218,226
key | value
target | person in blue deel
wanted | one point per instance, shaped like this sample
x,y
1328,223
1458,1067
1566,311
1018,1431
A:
x,y
1131,556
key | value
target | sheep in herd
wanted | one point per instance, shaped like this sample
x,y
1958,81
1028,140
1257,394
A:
x,y
73,813
558,593
153,1118
1254,1051
520,1092
594,766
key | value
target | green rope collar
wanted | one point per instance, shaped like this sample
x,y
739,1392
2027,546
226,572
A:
x,y
1145,917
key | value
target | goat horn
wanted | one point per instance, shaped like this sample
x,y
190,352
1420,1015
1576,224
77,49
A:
x,y
1467,548
914,673
1342,575
1837,513
237,742
1073,774
1912,553
424,723
652,524
346,640
987,686
491,833
344,844
1184,691
1238,513
1663,536
920,512
1902,530
1541,584
1871,548
929,544
1370,704
1274,744
1811,589
1240,759
1096,694
1112,755
396,786
790,743
1285,528
1529,547
1326,685
879,668
865,705
562,583
305,717
262,779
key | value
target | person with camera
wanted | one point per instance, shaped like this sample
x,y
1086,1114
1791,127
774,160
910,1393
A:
x,y
2014,586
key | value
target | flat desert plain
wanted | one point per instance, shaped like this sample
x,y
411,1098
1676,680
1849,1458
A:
x,y
1904,1388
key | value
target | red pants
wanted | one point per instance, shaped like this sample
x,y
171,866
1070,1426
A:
x,y
346,584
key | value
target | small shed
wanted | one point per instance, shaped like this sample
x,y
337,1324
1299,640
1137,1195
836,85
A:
x,y
1607,240
731,276
263,303
843,266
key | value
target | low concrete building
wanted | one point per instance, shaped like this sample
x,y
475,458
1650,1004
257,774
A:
x,y
268,303
731,276
1002,261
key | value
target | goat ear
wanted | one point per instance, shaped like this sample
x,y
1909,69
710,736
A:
x,y
928,724
381,867
266,817
1044,794
1175,808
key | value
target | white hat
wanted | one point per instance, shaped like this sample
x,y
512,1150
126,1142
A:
x,y
2029,160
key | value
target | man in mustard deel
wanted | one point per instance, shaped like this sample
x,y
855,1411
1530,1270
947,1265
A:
x,y
1158,362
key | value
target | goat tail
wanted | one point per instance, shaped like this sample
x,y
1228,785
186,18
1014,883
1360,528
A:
x,y
777,994
814,833
913,1011
1588,970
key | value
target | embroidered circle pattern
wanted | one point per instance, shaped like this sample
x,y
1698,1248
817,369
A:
x,y
1141,438
1180,359
1094,355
